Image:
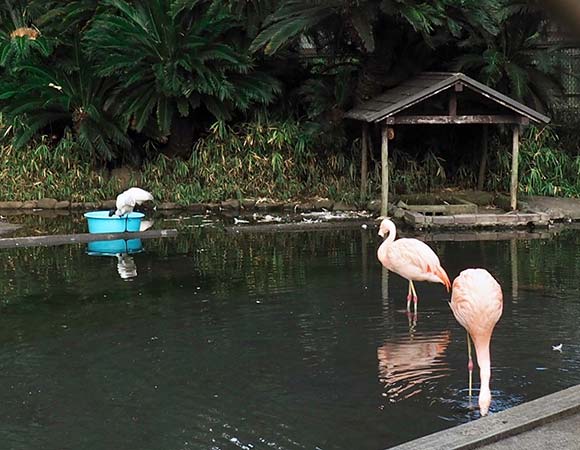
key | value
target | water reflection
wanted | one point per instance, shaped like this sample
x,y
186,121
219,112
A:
x,y
290,333
121,249
126,266
407,364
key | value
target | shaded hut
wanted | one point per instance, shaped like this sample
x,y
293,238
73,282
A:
x,y
441,98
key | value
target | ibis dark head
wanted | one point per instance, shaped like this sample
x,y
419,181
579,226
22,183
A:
x,y
111,212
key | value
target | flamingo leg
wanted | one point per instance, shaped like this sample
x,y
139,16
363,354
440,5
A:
x,y
469,364
415,298
409,296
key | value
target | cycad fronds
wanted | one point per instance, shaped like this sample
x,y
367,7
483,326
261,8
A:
x,y
38,96
174,57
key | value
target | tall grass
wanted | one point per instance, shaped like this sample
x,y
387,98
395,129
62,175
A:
x,y
545,167
280,160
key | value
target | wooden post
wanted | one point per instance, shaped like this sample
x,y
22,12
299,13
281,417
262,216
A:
x,y
364,162
515,157
483,162
385,170
453,104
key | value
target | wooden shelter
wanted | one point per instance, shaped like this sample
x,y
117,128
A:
x,y
441,98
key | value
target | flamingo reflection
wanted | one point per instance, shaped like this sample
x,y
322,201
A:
x,y
406,365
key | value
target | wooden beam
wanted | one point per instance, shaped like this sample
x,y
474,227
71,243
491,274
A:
x,y
453,104
61,239
458,87
453,120
515,163
364,162
384,170
483,161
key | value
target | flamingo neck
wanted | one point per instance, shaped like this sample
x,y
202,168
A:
x,y
484,363
392,230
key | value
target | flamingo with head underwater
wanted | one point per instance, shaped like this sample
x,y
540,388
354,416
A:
x,y
477,304
410,258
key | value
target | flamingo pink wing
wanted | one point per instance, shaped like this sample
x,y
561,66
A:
x,y
414,257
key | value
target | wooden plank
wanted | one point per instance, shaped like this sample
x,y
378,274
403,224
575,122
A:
x,y
453,120
62,239
515,165
384,171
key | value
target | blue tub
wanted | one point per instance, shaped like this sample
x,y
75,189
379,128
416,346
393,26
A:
x,y
100,222
112,248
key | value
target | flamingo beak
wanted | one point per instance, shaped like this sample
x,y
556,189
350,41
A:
x,y
381,233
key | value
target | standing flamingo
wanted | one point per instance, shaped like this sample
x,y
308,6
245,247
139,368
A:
x,y
410,258
477,304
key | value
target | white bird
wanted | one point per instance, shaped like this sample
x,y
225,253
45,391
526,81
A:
x,y
127,200
557,348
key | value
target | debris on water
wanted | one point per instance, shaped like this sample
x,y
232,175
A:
x,y
557,348
269,218
337,215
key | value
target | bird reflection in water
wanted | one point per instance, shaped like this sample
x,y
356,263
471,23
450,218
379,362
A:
x,y
406,365
123,250
126,266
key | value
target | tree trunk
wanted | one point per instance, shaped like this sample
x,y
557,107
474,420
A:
x,y
181,139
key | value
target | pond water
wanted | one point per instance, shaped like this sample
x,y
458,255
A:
x,y
267,340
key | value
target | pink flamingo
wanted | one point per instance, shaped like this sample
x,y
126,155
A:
x,y
477,304
410,258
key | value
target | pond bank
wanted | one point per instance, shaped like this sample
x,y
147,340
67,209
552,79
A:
x,y
547,422
271,215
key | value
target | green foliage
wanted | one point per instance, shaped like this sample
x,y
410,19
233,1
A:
x,y
20,40
174,57
280,160
512,59
410,174
48,170
37,96
544,168
354,23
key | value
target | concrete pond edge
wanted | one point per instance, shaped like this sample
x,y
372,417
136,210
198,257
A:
x,y
501,425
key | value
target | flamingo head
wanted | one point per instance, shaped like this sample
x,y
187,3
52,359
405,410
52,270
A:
x,y
385,227
484,402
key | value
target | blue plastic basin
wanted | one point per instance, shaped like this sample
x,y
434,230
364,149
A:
x,y
111,248
100,222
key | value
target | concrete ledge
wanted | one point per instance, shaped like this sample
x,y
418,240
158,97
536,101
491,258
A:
x,y
504,424
460,221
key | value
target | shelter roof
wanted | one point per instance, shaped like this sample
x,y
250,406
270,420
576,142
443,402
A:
x,y
426,85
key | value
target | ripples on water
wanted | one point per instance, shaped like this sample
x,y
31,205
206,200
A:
x,y
285,340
